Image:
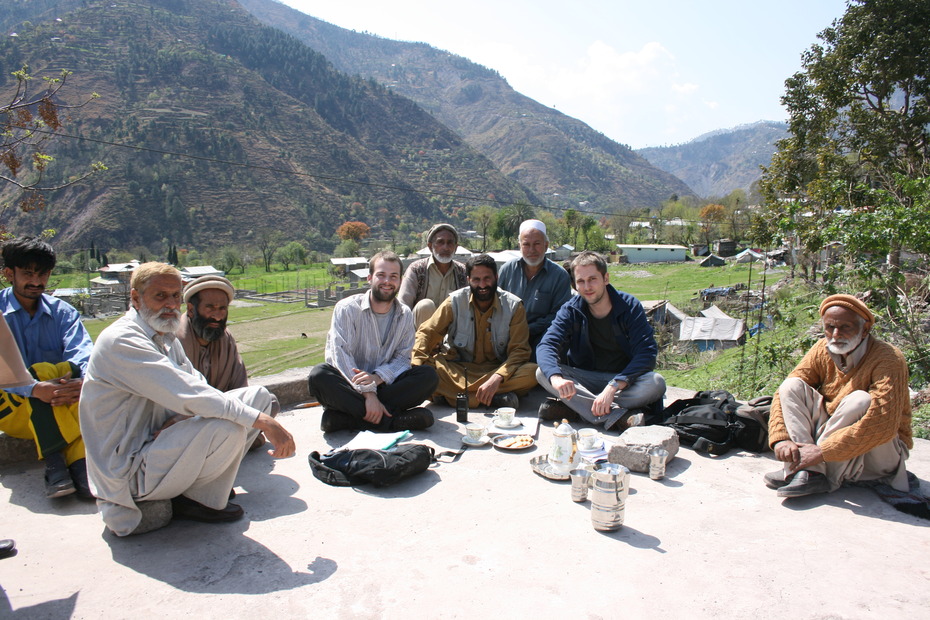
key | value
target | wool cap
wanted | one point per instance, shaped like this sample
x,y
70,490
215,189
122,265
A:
x,y
206,282
435,229
850,303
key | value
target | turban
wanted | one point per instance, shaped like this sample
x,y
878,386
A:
x,y
850,303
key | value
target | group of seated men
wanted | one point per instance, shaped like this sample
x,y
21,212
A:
x,y
154,419
130,420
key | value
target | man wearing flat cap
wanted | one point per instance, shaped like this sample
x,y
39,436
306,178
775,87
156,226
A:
x,y
429,281
209,346
844,413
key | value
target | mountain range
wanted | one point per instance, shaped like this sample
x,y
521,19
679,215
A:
x,y
222,122
721,161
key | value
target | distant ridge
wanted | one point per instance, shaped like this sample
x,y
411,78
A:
x,y
720,161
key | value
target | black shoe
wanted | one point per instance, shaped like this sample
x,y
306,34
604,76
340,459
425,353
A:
x,y
775,479
805,483
333,421
555,409
7,548
186,508
57,478
78,470
505,399
415,419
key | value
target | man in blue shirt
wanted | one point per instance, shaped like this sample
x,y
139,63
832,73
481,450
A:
x,y
598,356
56,348
542,285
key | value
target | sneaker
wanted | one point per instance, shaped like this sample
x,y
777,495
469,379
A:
x,y
333,421
57,477
555,409
775,479
805,483
617,419
78,471
415,419
505,399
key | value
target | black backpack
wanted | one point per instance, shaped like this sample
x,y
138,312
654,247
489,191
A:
x,y
381,468
714,422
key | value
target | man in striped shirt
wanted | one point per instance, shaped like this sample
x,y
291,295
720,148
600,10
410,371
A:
x,y
367,382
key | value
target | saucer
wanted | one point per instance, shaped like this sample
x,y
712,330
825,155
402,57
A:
x,y
483,441
513,423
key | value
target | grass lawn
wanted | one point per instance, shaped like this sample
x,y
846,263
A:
x,y
680,283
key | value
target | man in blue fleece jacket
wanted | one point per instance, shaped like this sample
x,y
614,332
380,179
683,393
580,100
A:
x,y
598,356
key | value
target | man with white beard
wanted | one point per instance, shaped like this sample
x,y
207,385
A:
x,y
429,281
161,441
542,285
844,413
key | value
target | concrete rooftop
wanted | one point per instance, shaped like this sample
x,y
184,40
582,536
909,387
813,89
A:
x,y
481,537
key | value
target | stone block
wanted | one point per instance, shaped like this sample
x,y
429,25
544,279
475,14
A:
x,y
633,446
15,450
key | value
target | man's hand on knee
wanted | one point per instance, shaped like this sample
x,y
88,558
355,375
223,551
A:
x,y
282,440
787,451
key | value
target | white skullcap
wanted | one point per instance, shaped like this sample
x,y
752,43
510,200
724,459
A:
x,y
205,282
533,225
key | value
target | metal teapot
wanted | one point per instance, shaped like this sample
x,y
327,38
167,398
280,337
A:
x,y
564,455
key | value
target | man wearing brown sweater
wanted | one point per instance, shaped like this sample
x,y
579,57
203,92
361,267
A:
x,y
844,412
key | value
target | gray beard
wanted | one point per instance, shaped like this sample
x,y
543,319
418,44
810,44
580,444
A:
x,y
443,260
159,324
845,348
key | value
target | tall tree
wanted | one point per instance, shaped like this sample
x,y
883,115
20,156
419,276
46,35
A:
x,y
859,113
482,217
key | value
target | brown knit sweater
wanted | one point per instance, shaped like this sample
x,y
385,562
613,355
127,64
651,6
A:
x,y
882,373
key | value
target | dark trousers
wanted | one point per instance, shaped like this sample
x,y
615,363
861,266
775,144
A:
x,y
408,390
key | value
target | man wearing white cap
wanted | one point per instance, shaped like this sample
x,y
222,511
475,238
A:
x,y
209,346
542,285
428,281
203,334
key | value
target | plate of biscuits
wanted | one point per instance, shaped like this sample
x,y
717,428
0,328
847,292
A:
x,y
513,442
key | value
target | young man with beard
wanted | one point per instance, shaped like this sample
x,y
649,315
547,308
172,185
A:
x,y
160,440
56,347
367,382
598,356
844,413
488,338
540,283
429,281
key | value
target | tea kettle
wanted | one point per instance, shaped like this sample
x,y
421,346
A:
x,y
564,455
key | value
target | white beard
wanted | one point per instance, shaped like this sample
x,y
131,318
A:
x,y
159,323
843,347
443,260
539,261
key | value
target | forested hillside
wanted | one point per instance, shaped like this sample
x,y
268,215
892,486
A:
x,y
558,157
233,129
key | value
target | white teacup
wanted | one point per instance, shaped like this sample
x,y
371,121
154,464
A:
x,y
474,432
505,415
587,438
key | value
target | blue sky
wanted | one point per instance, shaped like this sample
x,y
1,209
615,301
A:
x,y
644,73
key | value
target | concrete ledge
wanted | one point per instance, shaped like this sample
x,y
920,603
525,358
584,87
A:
x,y
289,386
